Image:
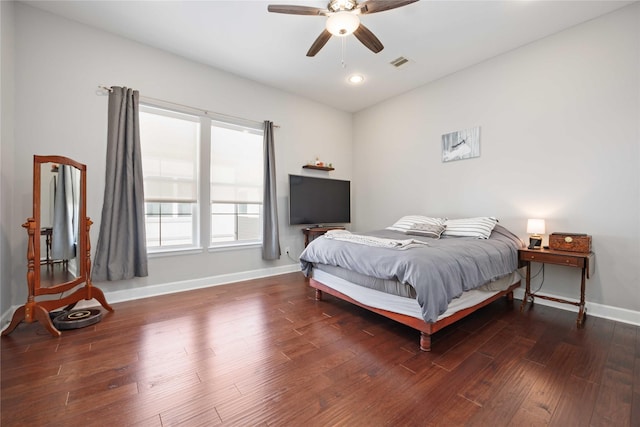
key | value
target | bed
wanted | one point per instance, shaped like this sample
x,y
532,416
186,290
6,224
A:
x,y
424,272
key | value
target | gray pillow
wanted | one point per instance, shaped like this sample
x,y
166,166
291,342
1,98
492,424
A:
x,y
427,230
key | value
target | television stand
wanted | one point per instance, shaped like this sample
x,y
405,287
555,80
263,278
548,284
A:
x,y
311,233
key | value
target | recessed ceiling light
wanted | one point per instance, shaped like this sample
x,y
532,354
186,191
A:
x,y
355,79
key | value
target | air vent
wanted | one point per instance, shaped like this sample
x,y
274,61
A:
x,y
399,61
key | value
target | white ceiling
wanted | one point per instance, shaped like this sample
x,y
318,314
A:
x,y
241,37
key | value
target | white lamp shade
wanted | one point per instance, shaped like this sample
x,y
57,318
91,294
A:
x,y
535,226
342,23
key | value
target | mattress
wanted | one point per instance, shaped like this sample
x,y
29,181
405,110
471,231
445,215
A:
x,y
409,306
395,287
388,286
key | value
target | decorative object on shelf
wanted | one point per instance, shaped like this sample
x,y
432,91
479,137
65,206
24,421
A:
x,y
535,227
319,165
463,144
570,242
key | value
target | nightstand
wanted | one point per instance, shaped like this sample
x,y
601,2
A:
x,y
583,261
311,233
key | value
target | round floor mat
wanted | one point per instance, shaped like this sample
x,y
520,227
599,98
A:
x,y
75,319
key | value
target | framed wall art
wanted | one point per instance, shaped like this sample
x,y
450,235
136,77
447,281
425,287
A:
x,y
460,145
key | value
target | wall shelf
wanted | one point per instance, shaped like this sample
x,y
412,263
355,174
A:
x,y
320,168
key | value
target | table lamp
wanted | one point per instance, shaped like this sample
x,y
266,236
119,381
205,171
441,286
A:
x,y
535,227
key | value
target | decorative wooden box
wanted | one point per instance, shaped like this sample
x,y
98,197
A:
x,y
570,242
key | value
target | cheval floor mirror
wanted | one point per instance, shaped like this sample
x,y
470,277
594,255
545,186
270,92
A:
x,y
60,226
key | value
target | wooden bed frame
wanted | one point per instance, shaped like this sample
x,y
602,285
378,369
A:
x,y
426,329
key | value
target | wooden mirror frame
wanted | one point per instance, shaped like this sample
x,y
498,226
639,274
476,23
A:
x,y
34,310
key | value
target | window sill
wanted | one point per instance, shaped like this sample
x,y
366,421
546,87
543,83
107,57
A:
x,y
161,253
234,246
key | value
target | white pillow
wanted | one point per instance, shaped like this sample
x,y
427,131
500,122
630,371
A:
x,y
480,227
407,222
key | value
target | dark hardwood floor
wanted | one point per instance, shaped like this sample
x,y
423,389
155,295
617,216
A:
x,y
264,352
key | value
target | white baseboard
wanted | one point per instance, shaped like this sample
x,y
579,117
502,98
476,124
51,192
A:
x,y
188,285
598,310
593,309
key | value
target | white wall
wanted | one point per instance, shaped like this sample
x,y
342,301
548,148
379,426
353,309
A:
x,y
559,140
58,67
6,153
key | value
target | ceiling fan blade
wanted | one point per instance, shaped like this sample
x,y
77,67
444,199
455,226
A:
x,y
322,39
368,39
373,6
296,10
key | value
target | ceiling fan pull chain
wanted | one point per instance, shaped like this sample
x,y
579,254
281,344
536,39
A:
x,y
344,47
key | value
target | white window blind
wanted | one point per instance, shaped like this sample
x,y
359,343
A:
x,y
170,160
236,165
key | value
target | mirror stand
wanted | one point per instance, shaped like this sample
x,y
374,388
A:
x,y
69,234
38,311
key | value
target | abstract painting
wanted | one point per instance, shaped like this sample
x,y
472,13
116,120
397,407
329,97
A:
x,y
462,144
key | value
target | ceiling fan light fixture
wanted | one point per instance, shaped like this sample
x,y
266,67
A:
x,y
342,23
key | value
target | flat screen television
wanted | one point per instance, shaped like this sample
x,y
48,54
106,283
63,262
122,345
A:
x,y
319,201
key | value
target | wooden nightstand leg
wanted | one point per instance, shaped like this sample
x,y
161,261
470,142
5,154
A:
x,y
527,291
524,302
583,310
581,315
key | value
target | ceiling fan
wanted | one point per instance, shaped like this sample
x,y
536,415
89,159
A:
x,y
343,19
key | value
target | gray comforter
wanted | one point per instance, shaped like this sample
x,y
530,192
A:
x,y
439,272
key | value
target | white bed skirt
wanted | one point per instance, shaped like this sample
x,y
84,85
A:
x,y
410,306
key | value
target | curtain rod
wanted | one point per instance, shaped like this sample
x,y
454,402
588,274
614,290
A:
x,y
207,112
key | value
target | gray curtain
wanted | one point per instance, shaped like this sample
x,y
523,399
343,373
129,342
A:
x,y
65,214
270,232
121,252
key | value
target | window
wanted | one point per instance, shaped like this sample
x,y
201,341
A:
x,y
174,145
170,143
236,183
